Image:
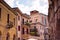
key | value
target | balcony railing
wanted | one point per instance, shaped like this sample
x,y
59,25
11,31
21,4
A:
x,y
34,32
9,25
27,23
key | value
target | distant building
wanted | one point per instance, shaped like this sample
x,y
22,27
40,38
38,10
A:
x,y
7,22
38,23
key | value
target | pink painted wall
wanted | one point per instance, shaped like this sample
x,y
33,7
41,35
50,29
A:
x,y
41,19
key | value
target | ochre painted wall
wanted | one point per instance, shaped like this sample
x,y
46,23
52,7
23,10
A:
x,y
3,23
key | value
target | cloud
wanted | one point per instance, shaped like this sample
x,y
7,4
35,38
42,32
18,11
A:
x,y
35,6
24,9
29,5
10,2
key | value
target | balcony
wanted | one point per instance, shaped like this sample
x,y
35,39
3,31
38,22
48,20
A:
x,y
33,32
9,25
27,23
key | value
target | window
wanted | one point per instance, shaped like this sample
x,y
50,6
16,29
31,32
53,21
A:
x,y
13,37
14,21
18,17
22,30
0,35
27,31
7,37
22,21
18,38
0,13
18,28
7,18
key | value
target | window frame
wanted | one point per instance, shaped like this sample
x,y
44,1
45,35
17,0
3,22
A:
x,y
18,28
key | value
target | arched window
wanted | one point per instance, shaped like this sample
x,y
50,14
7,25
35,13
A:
x,y
0,35
22,21
7,37
14,37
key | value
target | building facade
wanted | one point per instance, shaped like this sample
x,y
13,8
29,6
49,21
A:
x,y
19,17
23,25
53,19
7,22
38,24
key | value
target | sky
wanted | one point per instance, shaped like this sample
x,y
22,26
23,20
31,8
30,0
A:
x,y
29,5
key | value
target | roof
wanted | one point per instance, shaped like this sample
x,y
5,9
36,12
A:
x,y
26,15
7,6
43,14
18,10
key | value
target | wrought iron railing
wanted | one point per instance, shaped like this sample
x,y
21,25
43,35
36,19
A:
x,y
9,25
